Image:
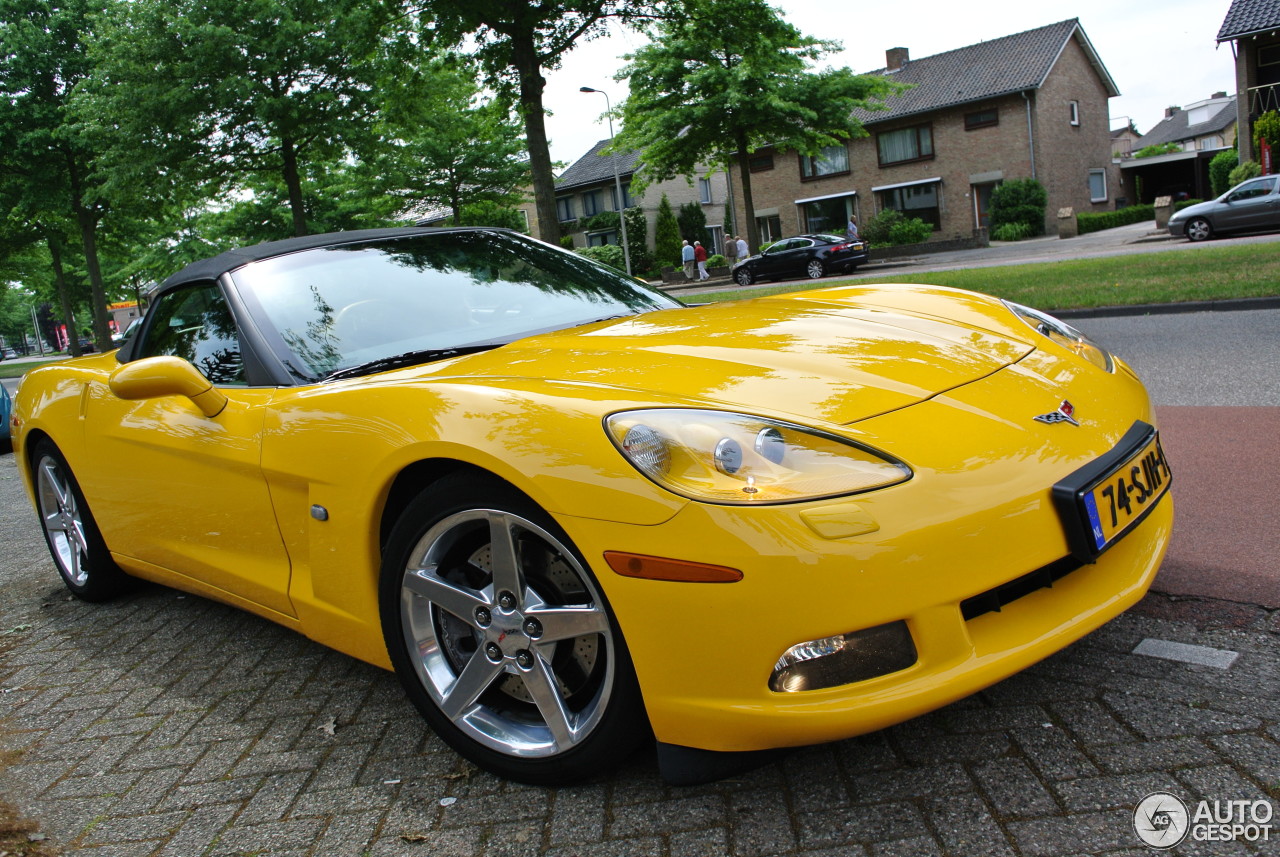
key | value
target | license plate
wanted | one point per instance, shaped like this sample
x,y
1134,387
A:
x,y
1106,499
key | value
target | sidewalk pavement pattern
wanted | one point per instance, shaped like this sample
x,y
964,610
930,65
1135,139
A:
x,y
166,724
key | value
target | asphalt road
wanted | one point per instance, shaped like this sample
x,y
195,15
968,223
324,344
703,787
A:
x,y
164,724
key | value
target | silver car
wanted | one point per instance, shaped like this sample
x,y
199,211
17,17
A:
x,y
1250,206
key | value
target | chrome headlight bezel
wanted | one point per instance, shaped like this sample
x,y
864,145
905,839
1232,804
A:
x,y
735,459
1063,334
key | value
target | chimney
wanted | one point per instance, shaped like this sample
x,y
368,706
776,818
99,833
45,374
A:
x,y
1218,95
896,58
1170,111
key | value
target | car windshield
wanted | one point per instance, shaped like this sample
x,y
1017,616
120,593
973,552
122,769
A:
x,y
339,309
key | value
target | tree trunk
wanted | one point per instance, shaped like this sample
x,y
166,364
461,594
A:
x,y
748,203
544,184
64,298
88,222
294,184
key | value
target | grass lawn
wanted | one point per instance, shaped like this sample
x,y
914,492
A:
x,y
1203,274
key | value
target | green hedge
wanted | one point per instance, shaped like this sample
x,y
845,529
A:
x,y
1096,222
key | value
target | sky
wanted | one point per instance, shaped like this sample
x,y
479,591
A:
x,y
1158,54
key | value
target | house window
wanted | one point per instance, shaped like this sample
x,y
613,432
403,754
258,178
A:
x,y
627,201
770,228
981,119
1214,142
592,203
1074,111
917,200
704,191
600,239
829,162
828,215
905,144
760,163
1097,185
564,208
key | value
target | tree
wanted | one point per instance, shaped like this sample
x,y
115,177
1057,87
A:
x,y
726,77
444,146
1220,168
48,171
203,92
693,224
514,43
666,235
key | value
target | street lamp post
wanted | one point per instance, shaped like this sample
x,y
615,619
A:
x,y
617,180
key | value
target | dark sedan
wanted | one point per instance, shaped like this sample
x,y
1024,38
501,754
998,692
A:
x,y
802,256
1251,206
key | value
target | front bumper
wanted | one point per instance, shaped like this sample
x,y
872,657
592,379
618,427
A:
x,y
977,515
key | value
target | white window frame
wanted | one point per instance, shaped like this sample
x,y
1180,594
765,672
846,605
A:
x,y
704,191
1092,196
1075,112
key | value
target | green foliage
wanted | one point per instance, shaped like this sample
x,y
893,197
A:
x,y
1244,172
1267,127
1220,168
609,254
725,77
1186,203
566,241
666,236
490,213
1019,201
729,228
1091,221
601,222
693,224
1012,232
638,241
716,261
892,228
1157,149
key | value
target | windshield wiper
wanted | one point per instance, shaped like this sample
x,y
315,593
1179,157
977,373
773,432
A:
x,y
409,358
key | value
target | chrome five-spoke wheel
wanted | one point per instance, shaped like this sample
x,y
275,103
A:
x,y
514,657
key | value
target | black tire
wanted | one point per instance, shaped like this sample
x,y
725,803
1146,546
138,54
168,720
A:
x,y
1198,229
815,270
485,648
73,537
743,276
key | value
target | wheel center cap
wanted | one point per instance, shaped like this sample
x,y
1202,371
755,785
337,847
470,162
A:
x,y
507,631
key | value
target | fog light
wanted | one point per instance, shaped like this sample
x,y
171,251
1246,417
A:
x,y
833,661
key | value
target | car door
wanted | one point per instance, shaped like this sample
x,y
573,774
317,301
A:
x,y
786,258
1253,205
186,491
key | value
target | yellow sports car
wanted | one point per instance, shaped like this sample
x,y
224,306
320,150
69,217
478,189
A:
x,y
571,512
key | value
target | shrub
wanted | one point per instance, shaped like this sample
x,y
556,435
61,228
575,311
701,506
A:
x,y
1247,170
1012,232
1158,149
892,228
601,222
1097,221
1267,127
566,241
1178,206
716,261
1019,201
693,223
1220,170
609,254
666,236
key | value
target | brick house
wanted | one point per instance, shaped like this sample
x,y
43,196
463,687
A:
x,y
1029,105
1254,27
587,188
1201,131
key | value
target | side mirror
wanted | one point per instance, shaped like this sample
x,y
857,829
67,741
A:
x,y
153,377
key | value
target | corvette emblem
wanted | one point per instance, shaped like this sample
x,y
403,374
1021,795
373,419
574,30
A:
x,y
1064,414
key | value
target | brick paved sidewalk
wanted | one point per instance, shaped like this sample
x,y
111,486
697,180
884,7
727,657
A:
x,y
164,724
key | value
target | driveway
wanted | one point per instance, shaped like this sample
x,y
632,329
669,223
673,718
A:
x,y
165,724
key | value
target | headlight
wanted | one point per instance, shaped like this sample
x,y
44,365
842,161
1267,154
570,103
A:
x,y
1065,335
729,458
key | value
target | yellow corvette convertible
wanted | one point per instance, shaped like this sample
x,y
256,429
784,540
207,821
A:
x,y
573,514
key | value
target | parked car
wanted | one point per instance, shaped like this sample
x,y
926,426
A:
x,y
1251,206
571,512
811,256
6,406
8,354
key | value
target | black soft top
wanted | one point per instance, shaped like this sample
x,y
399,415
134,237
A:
x,y
212,268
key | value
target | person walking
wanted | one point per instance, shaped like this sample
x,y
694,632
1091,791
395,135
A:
x,y
700,256
743,250
851,231
687,257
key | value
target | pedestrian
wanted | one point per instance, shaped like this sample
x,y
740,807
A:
x,y
743,250
851,231
730,250
700,256
686,256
